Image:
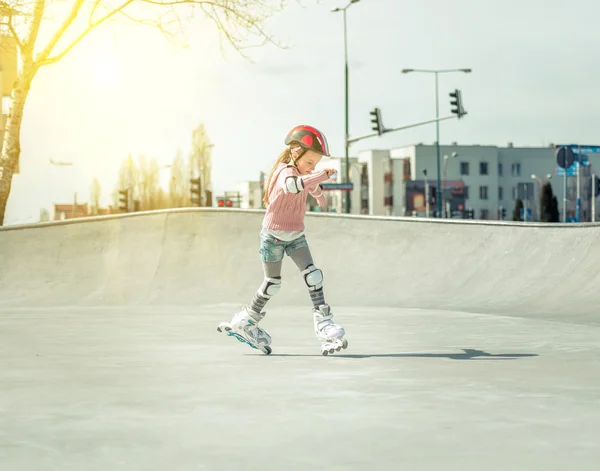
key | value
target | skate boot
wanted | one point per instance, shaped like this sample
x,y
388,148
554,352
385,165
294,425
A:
x,y
329,333
244,327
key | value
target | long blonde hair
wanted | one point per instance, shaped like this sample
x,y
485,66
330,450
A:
x,y
284,158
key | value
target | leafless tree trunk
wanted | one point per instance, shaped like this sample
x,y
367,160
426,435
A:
x,y
95,194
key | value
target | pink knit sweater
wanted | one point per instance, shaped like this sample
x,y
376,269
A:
x,y
286,211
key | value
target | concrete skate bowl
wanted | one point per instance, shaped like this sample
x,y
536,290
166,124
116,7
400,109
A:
x,y
206,256
111,359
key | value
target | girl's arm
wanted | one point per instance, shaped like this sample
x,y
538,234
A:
x,y
293,183
319,195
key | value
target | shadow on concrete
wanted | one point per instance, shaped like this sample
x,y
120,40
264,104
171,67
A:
x,y
468,354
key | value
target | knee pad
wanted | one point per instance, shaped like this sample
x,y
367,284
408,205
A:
x,y
270,287
313,277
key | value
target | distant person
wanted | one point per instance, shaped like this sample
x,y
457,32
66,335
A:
x,y
287,188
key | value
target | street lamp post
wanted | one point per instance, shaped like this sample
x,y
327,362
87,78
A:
x,y
426,194
437,123
346,133
446,157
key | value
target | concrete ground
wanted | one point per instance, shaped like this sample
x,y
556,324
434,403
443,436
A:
x,y
93,378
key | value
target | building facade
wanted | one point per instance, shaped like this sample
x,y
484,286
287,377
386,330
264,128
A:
x,y
482,182
484,179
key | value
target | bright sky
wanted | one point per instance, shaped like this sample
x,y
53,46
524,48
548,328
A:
x,y
127,90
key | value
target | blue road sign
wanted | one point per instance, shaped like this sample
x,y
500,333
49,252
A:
x,y
581,148
338,186
529,214
565,157
580,153
571,171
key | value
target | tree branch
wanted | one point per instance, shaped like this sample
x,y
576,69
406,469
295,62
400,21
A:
x,y
34,28
232,18
60,31
11,28
96,4
51,60
159,24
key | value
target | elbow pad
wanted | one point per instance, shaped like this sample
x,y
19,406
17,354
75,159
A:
x,y
293,185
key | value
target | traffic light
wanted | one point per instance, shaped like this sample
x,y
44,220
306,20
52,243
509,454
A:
x,y
124,200
456,103
222,202
195,191
377,124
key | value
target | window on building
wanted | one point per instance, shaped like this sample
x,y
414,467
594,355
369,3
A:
x,y
515,170
466,192
485,214
499,170
483,168
464,168
483,192
500,193
514,193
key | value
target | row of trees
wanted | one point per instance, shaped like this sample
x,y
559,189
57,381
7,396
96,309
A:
x,y
548,206
143,177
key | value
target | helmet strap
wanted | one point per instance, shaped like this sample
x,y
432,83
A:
x,y
301,152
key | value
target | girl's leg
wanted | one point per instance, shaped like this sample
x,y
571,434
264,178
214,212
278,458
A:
x,y
330,334
270,285
246,321
313,277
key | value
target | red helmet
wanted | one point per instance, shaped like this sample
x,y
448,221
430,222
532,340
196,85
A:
x,y
309,138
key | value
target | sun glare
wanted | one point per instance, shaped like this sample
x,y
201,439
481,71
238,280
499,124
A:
x,y
105,69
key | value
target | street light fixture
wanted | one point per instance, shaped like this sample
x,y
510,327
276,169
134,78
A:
x,y
535,177
346,135
437,123
446,158
426,193
540,183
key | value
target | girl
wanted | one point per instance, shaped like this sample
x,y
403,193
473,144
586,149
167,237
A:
x,y
289,183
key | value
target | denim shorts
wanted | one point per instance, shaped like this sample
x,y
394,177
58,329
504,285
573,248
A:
x,y
272,249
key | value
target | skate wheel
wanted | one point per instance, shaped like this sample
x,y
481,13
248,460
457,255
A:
x,y
268,350
224,327
345,344
324,352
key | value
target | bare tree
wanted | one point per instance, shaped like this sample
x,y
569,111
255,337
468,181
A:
x,y
128,178
151,181
179,184
237,20
200,159
95,195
